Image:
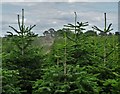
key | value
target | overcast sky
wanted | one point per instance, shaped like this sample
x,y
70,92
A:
x,y
60,0
56,14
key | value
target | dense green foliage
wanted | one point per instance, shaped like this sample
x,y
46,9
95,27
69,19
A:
x,y
74,63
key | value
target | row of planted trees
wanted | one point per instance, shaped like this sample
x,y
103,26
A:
x,y
76,63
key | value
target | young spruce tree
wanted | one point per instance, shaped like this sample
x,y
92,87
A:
x,y
24,35
104,32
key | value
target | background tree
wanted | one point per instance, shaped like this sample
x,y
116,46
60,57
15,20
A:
x,y
45,33
90,33
52,32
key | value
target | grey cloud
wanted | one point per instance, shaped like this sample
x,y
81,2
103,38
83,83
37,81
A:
x,y
71,0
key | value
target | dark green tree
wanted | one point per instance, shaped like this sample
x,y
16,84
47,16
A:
x,y
78,27
104,32
24,36
80,49
26,58
106,29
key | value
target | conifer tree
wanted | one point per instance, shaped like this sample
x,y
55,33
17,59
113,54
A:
x,y
104,32
24,35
